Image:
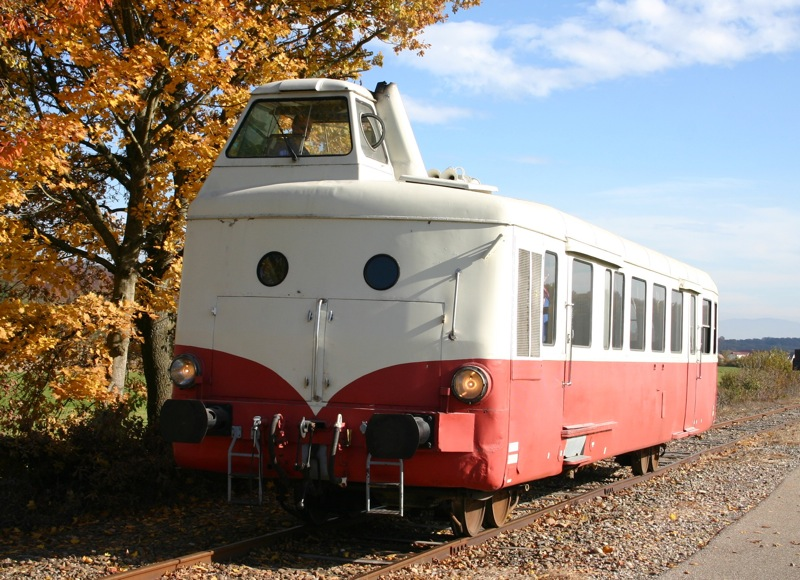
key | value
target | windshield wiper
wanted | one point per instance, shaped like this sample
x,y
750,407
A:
x,y
289,146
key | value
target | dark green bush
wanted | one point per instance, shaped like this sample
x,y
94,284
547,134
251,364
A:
x,y
103,458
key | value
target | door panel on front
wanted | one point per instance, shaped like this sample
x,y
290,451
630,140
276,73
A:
x,y
363,336
319,347
273,332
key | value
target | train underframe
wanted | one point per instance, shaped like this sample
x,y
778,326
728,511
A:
x,y
319,468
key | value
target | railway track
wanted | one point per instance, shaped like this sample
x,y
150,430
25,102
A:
x,y
372,551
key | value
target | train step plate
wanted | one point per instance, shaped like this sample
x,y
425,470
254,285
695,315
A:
x,y
687,433
384,512
253,476
575,459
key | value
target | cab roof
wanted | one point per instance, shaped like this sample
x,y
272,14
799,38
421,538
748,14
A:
x,y
312,85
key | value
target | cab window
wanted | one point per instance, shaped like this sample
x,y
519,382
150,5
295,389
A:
x,y
294,128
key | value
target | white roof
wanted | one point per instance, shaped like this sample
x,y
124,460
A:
x,y
309,85
398,200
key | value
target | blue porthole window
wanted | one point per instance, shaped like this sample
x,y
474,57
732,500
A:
x,y
272,268
381,272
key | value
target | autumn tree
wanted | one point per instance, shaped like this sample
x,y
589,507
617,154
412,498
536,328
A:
x,y
112,113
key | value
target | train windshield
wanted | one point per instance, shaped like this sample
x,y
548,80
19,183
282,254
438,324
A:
x,y
294,128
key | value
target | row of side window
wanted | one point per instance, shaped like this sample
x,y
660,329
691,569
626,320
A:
x,y
533,271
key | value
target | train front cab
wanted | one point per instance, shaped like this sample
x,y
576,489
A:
x,y
421,380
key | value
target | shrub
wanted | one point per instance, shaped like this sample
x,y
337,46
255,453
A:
x,y
101,457
762,376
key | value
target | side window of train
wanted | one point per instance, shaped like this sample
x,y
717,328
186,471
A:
x,y
659,318
372,132
676,322
581,303
272,268
716,328
549,298
381,272
529,301
638,313
705,335
618,311
613,309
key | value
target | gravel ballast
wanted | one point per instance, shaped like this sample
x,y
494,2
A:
x,y
639,532
634,533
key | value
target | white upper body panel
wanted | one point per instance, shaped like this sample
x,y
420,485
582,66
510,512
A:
x,y
400,200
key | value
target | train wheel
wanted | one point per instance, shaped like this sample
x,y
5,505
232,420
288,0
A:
x,y
467,516
640,461
498,508
644,460
654,453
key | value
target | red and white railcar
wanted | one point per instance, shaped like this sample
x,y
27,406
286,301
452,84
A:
x,y
347,320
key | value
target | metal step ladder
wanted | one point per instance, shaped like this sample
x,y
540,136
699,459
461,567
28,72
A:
x,y
385,484
255,455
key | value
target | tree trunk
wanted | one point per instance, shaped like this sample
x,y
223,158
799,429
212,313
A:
x,y
158,334
118,341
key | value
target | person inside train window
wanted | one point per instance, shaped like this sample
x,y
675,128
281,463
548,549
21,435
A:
x,y
293,143
549,298
295,128
545,313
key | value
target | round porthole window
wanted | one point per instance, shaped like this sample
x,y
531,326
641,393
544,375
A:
x,y
272,269
381,272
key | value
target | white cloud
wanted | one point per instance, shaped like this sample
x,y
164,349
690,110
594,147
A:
x,y
433,114
683,190
750,251
468,53
611,40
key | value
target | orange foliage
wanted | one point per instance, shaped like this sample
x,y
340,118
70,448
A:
x,y
113,113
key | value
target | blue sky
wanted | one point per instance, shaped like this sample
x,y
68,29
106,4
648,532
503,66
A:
x,y
675,124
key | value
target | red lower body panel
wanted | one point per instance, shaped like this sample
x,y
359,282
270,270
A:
x,y
529,426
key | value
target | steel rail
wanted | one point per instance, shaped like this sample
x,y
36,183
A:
x,y
453,548
445,550
456,546
220,554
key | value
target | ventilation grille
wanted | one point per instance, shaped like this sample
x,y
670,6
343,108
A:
x,y
529,303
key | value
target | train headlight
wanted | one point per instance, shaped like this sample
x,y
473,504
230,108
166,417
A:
x,y
185,370
470,384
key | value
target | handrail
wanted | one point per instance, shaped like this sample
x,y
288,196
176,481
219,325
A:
x,y
570,339
314,396
452,333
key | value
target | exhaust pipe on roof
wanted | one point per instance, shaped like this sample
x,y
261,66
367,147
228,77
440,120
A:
x,y
400,141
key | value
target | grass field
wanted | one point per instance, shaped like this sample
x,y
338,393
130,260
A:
x,y
722,371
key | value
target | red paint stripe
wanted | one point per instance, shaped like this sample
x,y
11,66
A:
x,y
647,403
